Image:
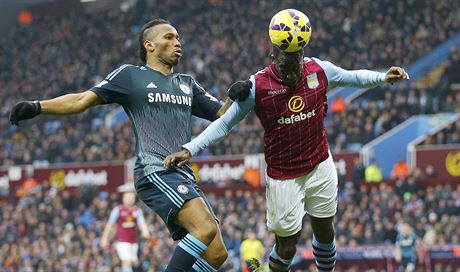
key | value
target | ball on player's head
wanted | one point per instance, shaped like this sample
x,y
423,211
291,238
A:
x,y
290,30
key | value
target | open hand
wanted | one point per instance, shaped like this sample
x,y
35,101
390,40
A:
x,y
395,74
177,159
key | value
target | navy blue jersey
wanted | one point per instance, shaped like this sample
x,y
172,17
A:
x,y
160,108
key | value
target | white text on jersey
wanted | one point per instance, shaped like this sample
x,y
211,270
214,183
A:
x,y
296,118
170,98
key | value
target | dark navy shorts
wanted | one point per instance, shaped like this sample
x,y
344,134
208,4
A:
x,y
165,192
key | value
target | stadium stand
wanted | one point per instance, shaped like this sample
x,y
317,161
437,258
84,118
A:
x,y
46,230
64,60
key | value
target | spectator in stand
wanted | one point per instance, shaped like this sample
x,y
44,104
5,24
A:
x,y
338,105
400,170
372,173
430,172
251,251
358,171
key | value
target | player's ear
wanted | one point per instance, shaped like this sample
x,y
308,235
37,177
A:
x,y
149,46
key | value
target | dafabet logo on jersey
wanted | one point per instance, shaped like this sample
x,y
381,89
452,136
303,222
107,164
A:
x,y
296,104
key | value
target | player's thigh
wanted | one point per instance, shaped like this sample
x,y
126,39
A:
x,y
134,252
124,251
321,190
285,206
195,217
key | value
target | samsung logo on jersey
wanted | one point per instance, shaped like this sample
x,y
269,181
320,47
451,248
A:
x,y
170,98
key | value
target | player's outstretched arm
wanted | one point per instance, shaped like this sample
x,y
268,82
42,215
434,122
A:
x,y
339,77
62,105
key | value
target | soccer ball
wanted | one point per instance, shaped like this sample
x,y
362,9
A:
x,y
290,30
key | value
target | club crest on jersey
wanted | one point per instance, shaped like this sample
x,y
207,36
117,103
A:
x,y
184,88
182,189
312,81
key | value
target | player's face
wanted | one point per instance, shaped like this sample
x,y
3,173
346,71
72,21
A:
x,y
129,199
166,44
289,66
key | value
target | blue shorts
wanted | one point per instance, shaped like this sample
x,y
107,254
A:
x,y
165,192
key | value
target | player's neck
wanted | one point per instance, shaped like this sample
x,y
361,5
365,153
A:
x,y
159,66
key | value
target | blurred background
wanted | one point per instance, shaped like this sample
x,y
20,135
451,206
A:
x,y
396,148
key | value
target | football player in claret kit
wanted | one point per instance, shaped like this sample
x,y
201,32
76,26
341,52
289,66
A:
x,y
127,218
289,98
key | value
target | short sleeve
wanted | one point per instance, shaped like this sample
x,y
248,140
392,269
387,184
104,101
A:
x,y
115,87
114,216
140,217
204,105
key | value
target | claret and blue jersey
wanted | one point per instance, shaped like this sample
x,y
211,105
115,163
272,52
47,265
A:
x,y
292,117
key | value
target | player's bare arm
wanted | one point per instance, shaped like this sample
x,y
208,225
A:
x,y
105,235
144,230
62,105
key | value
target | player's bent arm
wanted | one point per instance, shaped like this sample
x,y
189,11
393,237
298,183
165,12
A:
x,y
70,103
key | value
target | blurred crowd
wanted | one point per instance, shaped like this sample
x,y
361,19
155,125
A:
x,y
48,230
223,43
383,108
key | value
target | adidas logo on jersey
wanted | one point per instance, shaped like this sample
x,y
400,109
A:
x,y
151,85
296,118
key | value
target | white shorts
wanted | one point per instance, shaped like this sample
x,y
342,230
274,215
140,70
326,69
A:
x,y
127,251
289,200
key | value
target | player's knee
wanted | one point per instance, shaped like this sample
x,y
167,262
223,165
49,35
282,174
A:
x,y
220,257
206,231
286,251
325,235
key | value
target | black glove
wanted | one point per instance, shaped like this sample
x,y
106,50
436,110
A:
x,y
24,110
240,90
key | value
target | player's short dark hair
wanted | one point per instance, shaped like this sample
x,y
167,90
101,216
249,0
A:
x,y
143,35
